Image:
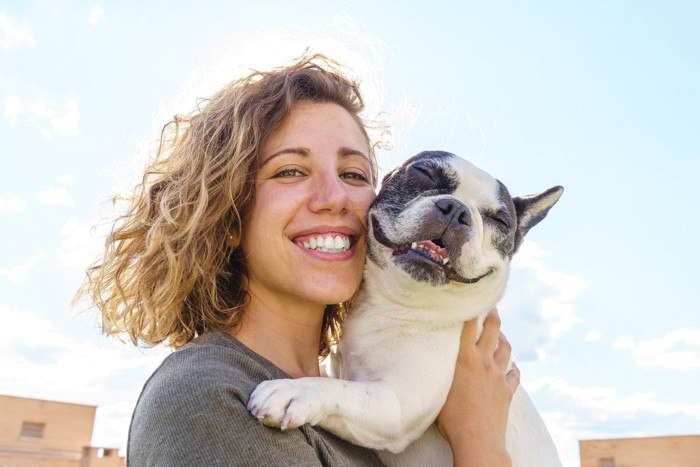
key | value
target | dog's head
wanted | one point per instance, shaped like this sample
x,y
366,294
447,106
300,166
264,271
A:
x,y
438,220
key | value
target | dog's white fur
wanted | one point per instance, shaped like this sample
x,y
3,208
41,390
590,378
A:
x,y
394,365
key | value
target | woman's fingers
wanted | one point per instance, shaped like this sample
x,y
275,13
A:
x,y
492,329
491,345
469,332
502,353
513,377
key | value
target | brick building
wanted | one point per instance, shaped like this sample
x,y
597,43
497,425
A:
x,y
41,433
661,451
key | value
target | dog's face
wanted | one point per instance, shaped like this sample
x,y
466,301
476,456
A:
x,y
441,221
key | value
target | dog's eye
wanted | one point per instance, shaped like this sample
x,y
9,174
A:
x,y
498,218
424,174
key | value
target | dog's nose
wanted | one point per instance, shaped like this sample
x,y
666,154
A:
x,y
454,210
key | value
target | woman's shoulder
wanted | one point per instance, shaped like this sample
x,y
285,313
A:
x,y
193,406
213,362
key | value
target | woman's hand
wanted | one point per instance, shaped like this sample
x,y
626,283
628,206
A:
x,y
474,417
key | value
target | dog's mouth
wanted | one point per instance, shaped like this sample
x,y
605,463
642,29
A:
x,y
433,251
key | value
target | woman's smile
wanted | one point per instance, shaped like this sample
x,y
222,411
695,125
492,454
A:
x,y
335,241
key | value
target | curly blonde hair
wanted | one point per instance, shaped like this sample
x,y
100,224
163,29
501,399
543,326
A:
x,y
173,267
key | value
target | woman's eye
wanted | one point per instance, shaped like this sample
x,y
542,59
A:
x,y
355,176
287,173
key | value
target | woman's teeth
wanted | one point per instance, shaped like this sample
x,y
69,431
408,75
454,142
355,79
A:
x,y
328,243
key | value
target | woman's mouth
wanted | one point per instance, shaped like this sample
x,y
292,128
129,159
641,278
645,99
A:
x,y
327,243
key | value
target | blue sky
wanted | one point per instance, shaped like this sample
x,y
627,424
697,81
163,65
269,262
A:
x,y
601,97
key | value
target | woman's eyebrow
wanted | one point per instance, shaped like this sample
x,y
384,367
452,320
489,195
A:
x,y
299,151
348,152
343,152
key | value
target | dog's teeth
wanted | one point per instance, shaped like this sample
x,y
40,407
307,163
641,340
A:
x,y
414,245
445,260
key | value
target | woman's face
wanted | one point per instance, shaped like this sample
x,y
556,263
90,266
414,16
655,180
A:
x,y
304,238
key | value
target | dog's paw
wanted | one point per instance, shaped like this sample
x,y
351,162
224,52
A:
x,y
286,403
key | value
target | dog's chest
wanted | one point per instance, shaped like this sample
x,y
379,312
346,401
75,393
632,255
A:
x,y
388,342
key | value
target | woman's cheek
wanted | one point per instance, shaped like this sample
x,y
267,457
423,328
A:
x,y
367,197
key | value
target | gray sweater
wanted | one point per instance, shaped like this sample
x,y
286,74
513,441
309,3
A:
x,y
192,412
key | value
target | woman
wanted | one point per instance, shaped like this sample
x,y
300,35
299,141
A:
x,y
242,248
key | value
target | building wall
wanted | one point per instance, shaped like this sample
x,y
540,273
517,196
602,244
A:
x,y
100,457
38,458
676,451
67,427
41,433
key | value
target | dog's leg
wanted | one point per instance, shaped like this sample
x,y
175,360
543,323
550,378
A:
x,y
380,414
387,413
366,413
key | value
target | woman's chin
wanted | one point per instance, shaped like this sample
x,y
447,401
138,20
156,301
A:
x,y
331,293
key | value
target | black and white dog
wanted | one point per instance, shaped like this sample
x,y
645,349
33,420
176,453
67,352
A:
x,y
441,235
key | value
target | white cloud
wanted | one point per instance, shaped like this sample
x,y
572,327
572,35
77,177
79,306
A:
x,y
39,110
55,197
538,307
13,108
96,15
82,243
558,310
19,273
65,179
623,342
14,33
604,403
68,124
18,111
112,423
42,330
677,350
593,336
12,204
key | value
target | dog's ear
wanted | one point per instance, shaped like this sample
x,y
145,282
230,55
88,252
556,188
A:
x,y
531,209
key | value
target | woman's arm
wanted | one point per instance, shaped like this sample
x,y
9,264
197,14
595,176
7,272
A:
x,y
474,417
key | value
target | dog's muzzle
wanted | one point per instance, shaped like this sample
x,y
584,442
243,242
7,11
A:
x,y
429,254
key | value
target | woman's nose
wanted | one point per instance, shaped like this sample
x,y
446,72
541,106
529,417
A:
x,y
329,194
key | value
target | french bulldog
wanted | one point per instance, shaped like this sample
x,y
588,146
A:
x,y
441,234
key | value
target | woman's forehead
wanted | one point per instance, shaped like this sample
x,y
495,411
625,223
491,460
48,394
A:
x,y
311,126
